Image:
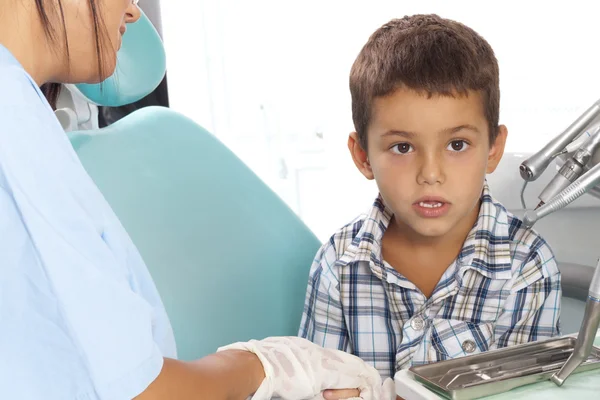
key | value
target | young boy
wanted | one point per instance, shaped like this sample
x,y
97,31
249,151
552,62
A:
x,y
437,268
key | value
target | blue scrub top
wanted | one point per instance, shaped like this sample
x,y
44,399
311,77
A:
x,y
80,317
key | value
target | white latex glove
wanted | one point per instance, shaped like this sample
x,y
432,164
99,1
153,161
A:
x,y
297,369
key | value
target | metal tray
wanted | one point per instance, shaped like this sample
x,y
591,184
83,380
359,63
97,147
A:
x,y
498,371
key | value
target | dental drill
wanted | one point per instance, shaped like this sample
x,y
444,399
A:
x,y
568,195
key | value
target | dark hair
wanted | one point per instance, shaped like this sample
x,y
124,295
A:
x,y
428,54
52,90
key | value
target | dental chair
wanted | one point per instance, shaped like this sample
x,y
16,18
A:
x,y
229,258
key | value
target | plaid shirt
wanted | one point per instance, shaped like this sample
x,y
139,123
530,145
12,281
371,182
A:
x,y
503,289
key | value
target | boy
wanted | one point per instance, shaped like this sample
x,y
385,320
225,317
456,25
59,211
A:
x,y
437,268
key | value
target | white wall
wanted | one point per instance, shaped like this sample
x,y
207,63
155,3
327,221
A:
x,y
270,78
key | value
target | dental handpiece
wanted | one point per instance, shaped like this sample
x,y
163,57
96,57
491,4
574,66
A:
x,y
534,166
572,168
571,193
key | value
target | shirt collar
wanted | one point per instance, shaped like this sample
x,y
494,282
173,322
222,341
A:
x,y
366,245
6,57
486,248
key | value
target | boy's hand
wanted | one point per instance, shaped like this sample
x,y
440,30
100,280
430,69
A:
x,y
341,394
388,392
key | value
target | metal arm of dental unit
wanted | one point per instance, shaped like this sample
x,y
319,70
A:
x,y
575,178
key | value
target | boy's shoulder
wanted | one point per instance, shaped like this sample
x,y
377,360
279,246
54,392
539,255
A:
x,y
345,236
357,239
339,250
528,253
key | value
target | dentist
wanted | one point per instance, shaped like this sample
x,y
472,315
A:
x,y
80,317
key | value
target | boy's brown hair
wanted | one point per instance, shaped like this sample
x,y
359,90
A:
x,y
428,54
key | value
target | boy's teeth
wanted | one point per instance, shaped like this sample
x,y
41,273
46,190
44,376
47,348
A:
x,y
430,205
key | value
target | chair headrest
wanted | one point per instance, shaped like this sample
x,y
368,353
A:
x,y
141,66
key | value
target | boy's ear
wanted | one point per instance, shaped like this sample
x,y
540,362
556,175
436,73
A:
x,y
497,149
359,156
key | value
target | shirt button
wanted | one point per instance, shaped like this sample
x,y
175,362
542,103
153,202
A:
x,y
469,346
417,323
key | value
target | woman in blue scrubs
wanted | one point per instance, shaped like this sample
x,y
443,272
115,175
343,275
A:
x,y
80,317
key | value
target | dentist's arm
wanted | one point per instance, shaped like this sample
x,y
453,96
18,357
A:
x,y
228,375
294,368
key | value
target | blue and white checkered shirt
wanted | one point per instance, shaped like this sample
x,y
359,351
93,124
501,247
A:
x,y
503,289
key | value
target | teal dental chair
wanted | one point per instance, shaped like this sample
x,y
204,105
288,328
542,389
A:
x,y
229,258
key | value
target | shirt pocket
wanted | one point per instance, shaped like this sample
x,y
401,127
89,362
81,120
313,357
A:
x,y
455,338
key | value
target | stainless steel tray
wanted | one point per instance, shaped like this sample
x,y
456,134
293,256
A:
x,y
498,371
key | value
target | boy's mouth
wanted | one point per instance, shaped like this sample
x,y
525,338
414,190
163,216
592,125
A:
x,y
431,206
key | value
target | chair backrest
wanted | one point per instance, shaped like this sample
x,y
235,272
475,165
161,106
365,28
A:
x,y
229,258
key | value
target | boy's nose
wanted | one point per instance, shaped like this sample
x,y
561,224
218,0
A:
x,y
431,171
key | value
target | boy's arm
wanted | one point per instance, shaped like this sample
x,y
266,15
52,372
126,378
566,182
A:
x,y
323,319
532,310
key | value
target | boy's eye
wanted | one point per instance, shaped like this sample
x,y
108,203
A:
x,y
402,148
458,145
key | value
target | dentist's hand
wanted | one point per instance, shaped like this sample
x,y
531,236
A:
x,y
296,368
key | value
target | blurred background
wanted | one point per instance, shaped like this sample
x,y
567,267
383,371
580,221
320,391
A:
x,y
270,79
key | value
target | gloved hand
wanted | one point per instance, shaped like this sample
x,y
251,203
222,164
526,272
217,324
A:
x,y
297,369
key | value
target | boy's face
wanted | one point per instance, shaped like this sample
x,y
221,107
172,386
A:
x,y
429,157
